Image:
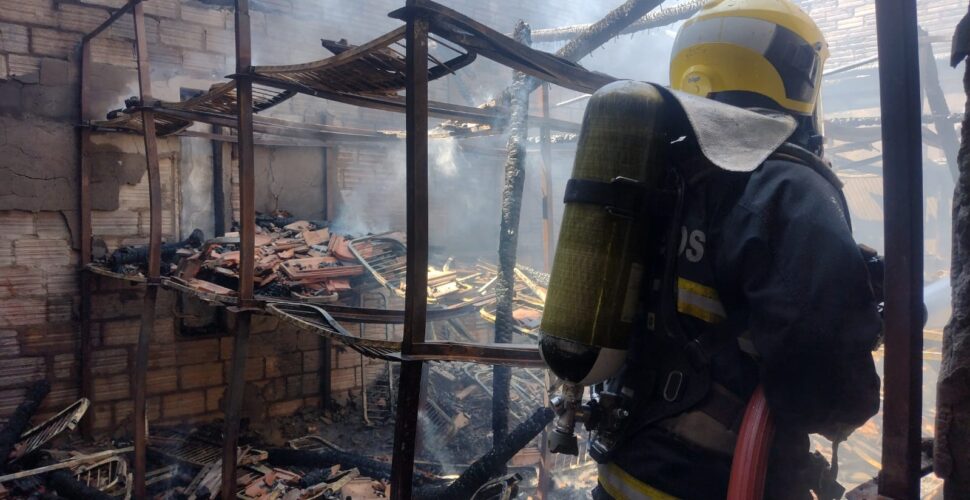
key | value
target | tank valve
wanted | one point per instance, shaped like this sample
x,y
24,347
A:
x,y
569,410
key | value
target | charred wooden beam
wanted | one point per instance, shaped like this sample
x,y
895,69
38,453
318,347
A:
x,y
66,486
606,29
20,420
652,20
492,463
416,295
140,254
369,467
509,238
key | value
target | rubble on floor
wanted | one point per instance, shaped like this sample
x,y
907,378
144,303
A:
x,y
185,462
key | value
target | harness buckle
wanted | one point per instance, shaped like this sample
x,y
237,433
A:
x,y
675,382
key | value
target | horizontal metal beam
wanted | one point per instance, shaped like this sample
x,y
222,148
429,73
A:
x,y
436,109
124,9
520,355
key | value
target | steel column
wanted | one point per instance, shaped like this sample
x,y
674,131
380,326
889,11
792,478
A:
x,y
247,248
154,252
903,185
416,298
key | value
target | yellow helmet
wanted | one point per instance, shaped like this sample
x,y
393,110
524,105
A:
x,y
766,47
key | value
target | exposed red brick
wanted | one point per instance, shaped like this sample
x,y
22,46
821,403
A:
x,y
66,367
123,304
60,308
294,386
53,43
162,381
112,388
62,394
109,361
183,404
163,8
42,252
51,225
343,379
23,311
347,358
14,38
21,281
118,222
284,364
80,18
61,280
22,65
123,410
285,408
210,16
311,383
44,339
192,352
213,398
120,332
162,355
273,389
201,375
102,414
34,12
311,361
264,324
181,34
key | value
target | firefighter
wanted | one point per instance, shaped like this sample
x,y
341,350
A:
x,y
769,287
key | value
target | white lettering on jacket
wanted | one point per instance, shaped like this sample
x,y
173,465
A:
x,y
692,244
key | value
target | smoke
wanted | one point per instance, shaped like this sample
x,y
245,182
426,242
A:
x,y
443,156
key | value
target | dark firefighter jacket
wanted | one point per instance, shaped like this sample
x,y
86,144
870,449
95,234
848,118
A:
x,y
766,265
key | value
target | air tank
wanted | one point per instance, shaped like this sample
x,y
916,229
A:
x,y
599,261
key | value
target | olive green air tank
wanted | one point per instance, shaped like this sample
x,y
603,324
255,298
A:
x,y
598,266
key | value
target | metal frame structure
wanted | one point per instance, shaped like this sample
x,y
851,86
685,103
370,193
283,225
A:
x,y
899,76
899,87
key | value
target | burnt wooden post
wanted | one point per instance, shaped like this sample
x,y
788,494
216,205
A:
x,y
416,294
509,237
903,188
154,251
247,248
951,456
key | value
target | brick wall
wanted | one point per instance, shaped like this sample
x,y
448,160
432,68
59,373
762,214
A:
x,y
850,25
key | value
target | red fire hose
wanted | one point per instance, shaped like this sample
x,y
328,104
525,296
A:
x,y
750,465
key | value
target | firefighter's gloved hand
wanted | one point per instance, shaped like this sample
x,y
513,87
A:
x,y
837,432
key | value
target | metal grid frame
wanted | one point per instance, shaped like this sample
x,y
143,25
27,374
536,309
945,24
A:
x,y
899,78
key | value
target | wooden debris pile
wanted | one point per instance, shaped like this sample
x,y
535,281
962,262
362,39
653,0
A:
x,y
300,260
132,260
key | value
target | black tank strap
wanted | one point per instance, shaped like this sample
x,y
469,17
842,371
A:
x,y
622,196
